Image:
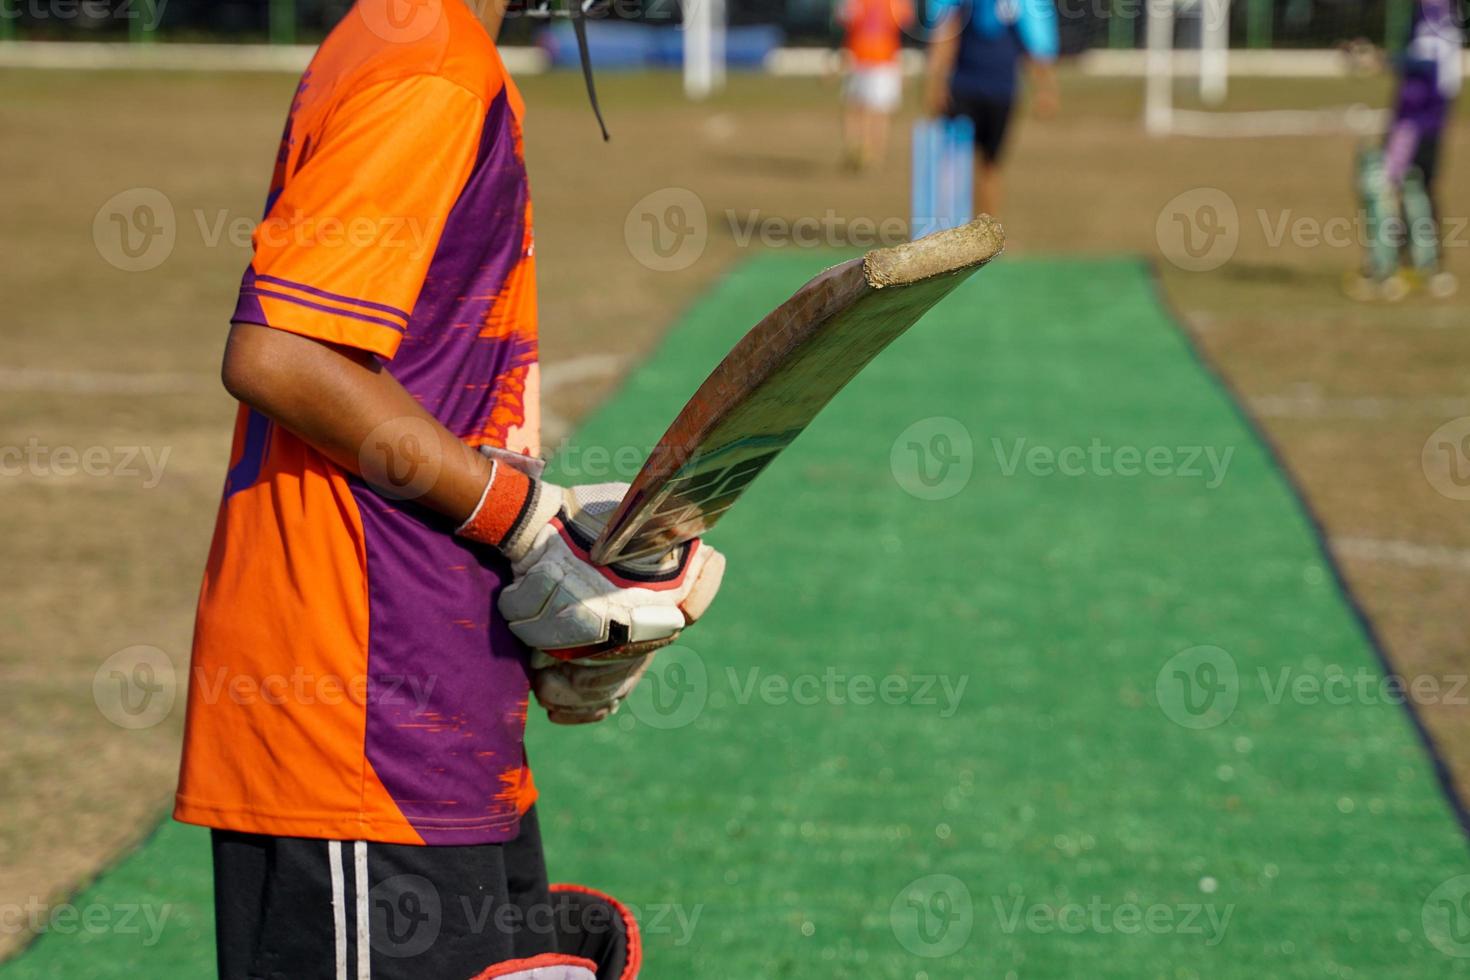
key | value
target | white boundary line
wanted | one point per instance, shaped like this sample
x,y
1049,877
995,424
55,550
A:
x,y
163,56
1131,63
1357,120
102,382
529,60
1403,553
1310,405
559,374
588,367
554,375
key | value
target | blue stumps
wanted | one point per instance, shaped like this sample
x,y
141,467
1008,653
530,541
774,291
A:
x,y
943,174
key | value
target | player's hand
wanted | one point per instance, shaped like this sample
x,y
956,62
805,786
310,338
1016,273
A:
x,y
1047,102
580,692
1046,99
936,100
594,630
573,610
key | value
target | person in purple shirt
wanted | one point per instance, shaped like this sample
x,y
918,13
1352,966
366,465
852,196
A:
x,y
1399,182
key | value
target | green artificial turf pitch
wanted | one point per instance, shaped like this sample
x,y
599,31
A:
x,y
962,713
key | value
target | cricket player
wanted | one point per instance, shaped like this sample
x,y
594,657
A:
x,y
874,89
390,580
975,55
1401,180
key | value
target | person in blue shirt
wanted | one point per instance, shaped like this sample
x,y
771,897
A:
x,y
975,56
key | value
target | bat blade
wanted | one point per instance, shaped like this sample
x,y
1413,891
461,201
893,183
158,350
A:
x,y
778,378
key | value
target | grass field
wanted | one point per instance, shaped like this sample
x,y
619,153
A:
x,y
956,684
96,357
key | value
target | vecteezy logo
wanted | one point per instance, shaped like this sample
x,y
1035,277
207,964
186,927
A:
x,y
1198,688
668,230
400,458
1199,230
402,21
933,916
135,688
135,230
674,691
407,914
1446,459
1446,917
934,458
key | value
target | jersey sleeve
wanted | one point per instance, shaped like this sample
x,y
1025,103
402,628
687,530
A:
x,y
1037,27
939,12
343,251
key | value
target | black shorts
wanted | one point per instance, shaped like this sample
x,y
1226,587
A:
x,y
992,119
290,908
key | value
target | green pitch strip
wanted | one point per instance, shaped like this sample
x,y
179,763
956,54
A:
x,y
1028,664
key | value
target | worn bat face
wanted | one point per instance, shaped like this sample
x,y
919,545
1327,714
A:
x,y
778,378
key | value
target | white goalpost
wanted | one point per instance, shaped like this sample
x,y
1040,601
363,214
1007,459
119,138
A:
x,y
1203,56
1214,57
704,47
1158,111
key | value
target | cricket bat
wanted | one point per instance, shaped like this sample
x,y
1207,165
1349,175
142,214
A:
x,y
778,378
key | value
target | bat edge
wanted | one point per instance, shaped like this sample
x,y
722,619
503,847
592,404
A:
x,y
942,253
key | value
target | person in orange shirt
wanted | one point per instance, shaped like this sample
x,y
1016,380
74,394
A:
x,y
874,89
390,580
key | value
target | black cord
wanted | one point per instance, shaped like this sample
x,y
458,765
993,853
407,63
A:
x,y
579,25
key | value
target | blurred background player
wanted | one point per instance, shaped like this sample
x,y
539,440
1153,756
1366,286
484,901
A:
x,y
873,39
975,56
1398,182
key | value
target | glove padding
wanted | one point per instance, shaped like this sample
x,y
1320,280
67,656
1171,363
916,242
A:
x,y
581,692
594,629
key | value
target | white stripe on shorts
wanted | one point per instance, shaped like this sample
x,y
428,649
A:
x,y
339,908
364,939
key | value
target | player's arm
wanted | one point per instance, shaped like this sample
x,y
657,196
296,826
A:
x,y
1047,97
944,53
337,398
1400,147
319,314
599,627
1040,37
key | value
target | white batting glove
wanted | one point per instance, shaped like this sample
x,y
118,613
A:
x,y
592,630
569,608
580,692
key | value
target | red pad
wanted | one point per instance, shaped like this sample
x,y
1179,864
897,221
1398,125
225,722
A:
x,y
547,966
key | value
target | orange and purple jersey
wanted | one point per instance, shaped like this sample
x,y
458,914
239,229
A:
x,y
349,678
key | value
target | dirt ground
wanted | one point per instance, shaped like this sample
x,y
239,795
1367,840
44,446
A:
x,y
95,356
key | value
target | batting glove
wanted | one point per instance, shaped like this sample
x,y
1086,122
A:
x,y
593,629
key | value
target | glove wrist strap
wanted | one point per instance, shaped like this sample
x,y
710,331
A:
x,y
506,515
